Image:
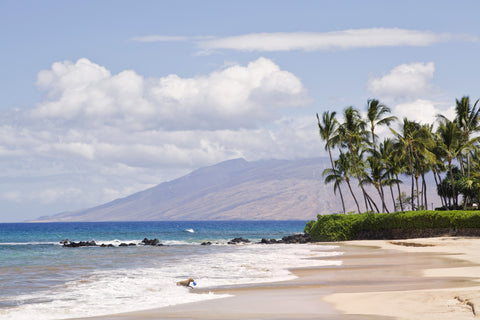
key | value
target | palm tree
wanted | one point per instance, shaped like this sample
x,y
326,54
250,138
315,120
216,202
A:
x,y
467,120
327,130
343,167
438,166
446,187
389,157
414,151
424,158
398,166
378,177
405,140
376,112
352,135
449,138
375,115
334,175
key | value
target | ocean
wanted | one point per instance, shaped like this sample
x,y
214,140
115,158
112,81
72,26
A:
x,y
41,279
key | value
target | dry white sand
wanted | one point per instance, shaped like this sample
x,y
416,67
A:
x,y
457,298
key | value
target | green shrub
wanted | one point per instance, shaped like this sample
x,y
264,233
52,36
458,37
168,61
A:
x,y
339,227
335,227
308,226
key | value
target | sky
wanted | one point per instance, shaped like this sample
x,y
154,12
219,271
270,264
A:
x,y
101,99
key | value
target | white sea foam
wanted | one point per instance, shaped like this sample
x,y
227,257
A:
x,y
117,242
122,290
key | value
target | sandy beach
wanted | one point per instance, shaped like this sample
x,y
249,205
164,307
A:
x,y
433,278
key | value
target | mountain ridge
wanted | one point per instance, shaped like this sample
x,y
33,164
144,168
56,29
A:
x,y
231,190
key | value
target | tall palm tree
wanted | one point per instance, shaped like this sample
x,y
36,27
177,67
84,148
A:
x,y
405,140
378,177
376,112
352,135
328,131
343,167
468,121
438,166
336,176
449,138
423,157
389,157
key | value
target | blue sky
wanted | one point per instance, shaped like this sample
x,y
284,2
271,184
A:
x,y
100,99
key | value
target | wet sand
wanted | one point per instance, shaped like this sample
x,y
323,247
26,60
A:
x,y
435,278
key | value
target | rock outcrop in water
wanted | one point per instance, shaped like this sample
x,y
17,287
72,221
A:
x,y
79,244
71,244
152,242
296,238
238,240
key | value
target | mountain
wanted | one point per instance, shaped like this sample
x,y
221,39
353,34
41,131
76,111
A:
x,y
231,190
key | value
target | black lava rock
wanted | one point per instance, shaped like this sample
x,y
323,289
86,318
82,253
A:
x,y
238,240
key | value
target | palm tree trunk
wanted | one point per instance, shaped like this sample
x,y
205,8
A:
x,y
444,196
468,164
399,192
390,176
462,167
424,187
393,197
341,198
353,194
357,173
417,173
371,201
367,202
418,191
436,183
455,201
411,173
370,204
382,196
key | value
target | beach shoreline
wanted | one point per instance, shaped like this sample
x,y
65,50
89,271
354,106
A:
x,y
428,278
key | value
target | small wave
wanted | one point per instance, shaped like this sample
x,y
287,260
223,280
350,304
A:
x,y
153,284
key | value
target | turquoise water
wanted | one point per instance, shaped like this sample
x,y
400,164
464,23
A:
x,y
41,279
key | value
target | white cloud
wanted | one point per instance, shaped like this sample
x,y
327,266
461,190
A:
x,y
404,81
236,96
335,40
97,136
423,111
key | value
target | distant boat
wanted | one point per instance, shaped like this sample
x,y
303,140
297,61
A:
x,y
189,230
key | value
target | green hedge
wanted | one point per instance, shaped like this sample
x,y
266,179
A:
x,y
340,227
